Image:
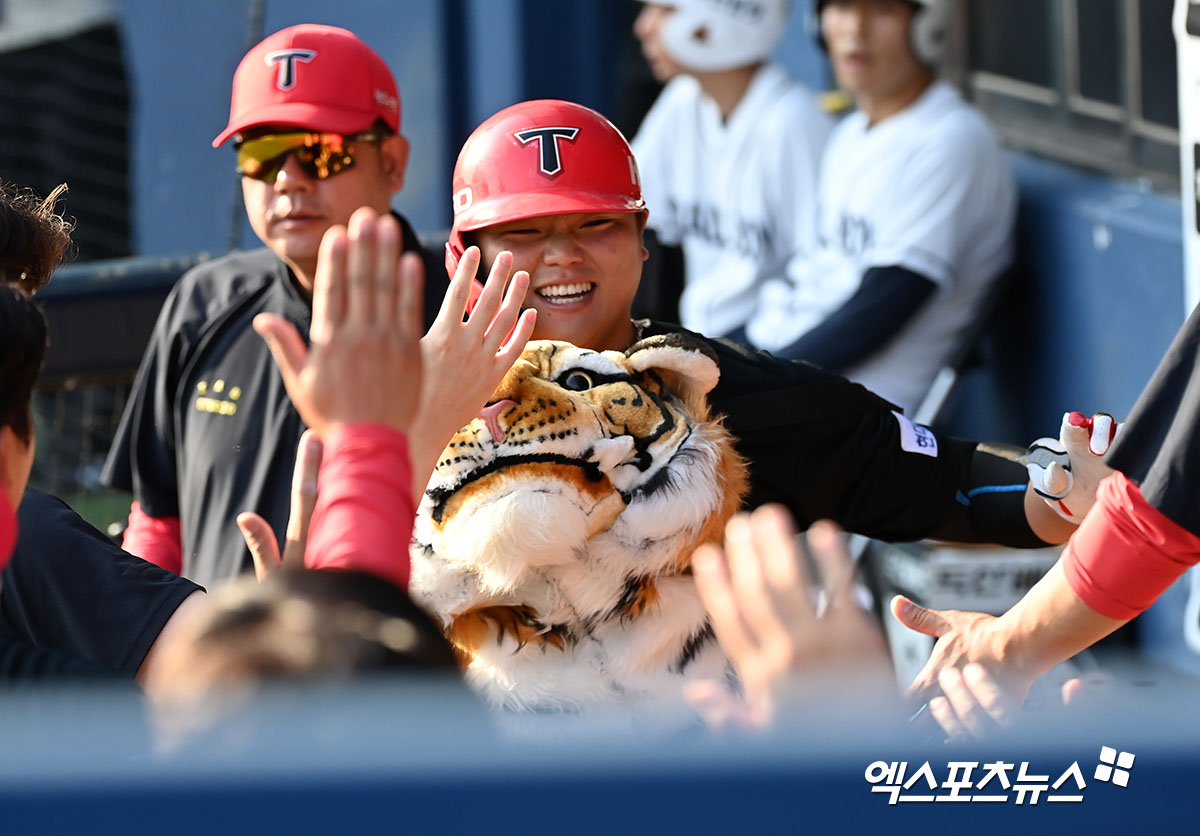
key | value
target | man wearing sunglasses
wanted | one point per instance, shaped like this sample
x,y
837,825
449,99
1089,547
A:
x,y
209,431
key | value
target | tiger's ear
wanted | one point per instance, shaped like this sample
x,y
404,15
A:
x,y
691,362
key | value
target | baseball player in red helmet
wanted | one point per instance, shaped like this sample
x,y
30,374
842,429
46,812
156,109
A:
x,y
556,185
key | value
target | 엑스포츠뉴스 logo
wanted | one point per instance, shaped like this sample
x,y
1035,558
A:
x,y
993,782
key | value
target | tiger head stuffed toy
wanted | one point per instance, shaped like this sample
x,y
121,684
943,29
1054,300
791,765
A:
x,y
555,537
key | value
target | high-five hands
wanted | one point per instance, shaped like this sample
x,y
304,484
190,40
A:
x,y
1066,471
364,365
368,361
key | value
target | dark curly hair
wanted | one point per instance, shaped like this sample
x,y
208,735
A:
x,y
34,238
23,336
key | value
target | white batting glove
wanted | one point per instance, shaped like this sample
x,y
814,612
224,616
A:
x,y
1066,471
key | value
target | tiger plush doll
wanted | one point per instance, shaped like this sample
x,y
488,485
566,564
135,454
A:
x,y
555,537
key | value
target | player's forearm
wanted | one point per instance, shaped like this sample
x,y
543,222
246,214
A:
x,y
1049,625
426,442
1042,520
363,518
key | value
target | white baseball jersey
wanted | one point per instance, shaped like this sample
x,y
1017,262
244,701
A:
x,y
927,189
738,195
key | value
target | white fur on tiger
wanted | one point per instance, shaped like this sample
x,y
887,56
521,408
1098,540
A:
x,y
555,537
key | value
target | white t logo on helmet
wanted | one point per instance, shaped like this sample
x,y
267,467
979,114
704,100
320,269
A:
x,y
550,162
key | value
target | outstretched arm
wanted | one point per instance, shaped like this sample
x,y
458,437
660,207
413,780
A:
x,y
1049,625
366,329
1125,554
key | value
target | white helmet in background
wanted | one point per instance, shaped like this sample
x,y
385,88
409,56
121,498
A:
x,y
715,35
930,29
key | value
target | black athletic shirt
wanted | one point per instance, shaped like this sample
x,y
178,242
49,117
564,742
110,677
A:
x,y
209,431
829,448
71,593
1160,445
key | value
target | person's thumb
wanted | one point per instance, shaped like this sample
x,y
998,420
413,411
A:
x,y
286,346
915,617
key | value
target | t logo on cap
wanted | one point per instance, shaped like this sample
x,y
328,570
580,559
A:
x,y
346,92
286,59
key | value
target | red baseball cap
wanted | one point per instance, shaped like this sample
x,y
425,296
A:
x,y
313,77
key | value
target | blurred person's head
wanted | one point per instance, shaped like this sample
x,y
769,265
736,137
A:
x,y
884,52
315,119
298,626
709,36
23,335
34,239
556,184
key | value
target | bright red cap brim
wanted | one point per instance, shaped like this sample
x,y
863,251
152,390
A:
x,y
301,115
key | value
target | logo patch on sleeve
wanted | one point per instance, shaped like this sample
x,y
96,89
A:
x,y
915,438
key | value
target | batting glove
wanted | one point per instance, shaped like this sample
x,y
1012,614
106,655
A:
x,y
1066,471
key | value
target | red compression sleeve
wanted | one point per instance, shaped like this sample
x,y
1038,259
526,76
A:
x,y
363,519
1126,552
8,529
155,539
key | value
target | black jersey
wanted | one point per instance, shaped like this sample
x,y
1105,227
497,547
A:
x,y
69,589
209,431
829,448
1160,445
25,662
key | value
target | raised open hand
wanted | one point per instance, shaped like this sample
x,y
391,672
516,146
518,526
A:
x,y
364,364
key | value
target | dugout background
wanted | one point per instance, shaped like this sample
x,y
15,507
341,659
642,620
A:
x,y
1095,298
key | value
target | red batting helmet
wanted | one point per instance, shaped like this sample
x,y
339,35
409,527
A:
x,y
537,158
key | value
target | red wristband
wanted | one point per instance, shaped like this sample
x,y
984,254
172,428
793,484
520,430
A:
x,y
1126,552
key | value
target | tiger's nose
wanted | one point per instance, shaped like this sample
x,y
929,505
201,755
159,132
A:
x,y
490,415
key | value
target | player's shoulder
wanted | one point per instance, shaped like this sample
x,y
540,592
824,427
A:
x,y
206,290
231,273
744,370
678,99
949,121
945,137
683,90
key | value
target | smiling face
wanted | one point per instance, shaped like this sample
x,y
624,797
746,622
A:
x,y
291,213
583,270
870,47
